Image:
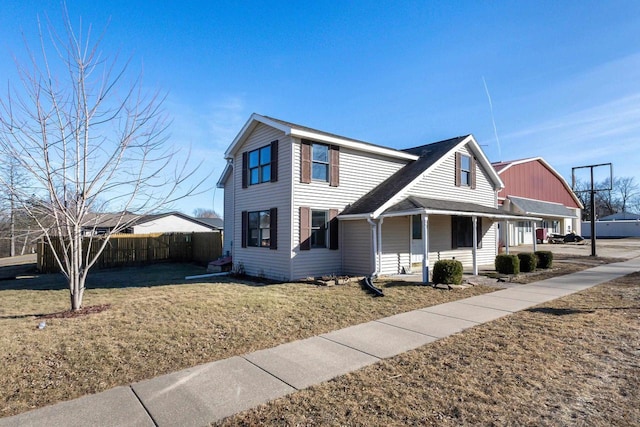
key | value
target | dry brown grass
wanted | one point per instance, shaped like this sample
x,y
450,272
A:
x,y
152,328
573,361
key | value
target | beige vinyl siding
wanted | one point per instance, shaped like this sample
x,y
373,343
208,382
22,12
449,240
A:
x,y
273,264
395,245
360,172
440,243
355,246
440,184
227,237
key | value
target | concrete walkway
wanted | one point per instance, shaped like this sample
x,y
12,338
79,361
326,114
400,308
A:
x,y
207,393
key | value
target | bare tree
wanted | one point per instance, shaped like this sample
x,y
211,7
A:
x,y
626,189
12,176
84,133
205,213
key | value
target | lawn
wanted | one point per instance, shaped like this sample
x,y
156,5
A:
x,y
155,323
572,361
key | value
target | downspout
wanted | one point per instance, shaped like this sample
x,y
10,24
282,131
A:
x,y
379,269
374,246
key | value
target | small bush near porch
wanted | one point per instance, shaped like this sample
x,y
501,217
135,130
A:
x,y
507,264
545,259
447,272
528,262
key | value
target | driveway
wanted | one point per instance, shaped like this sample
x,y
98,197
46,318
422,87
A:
x,y
626,248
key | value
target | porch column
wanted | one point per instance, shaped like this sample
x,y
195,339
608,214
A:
x,y
474,249
535,238
425,248
379,268
506,236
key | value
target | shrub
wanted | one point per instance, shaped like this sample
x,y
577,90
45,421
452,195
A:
x,y
448,272
528,261
545,259
507,264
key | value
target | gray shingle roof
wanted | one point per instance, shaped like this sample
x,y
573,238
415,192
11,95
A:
x,y
537,207
413,203
429,154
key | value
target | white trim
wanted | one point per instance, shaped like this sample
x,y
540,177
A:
x,y
548,166
226,172
459,213
360,146
307,134
498,184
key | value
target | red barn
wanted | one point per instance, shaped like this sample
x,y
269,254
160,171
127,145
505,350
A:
x,y
534,188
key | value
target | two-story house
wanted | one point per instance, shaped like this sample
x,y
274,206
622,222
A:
x,y
301,202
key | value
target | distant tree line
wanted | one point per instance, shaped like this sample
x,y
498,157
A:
x,y
623,196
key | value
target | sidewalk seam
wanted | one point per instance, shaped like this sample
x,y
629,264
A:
x,y
352,348
270,373
153,420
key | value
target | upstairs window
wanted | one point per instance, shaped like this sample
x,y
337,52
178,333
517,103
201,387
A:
x,y
320,162
465,171
260,165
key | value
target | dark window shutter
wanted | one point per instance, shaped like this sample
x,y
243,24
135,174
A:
x,y
245,226
273,228
473,173
245,169
305,228
274,161
305,161
334,161
333,229
479,228
454,232
458,162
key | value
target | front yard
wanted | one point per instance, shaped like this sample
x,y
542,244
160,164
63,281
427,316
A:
x,y
160,324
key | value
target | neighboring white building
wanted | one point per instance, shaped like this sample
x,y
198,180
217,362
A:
x,y
171,222
300,202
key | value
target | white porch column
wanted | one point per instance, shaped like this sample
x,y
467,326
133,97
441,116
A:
x,y
379,268
474,250
535,239
506,236
425,248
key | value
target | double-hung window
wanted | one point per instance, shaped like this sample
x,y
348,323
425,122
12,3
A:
x,y
465,170
462,232
319,221
259,229
320,162
260,165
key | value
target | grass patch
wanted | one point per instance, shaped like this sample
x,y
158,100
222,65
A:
x,y
573,361
151,322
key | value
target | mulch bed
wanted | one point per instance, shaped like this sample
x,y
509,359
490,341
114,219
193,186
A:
x,y
70,314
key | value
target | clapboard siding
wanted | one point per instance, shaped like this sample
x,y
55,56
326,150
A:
x,y
228,236
360,172
273,264
440,184
356,248
440,243
395,245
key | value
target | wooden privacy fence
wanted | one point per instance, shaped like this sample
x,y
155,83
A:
x,y
137,249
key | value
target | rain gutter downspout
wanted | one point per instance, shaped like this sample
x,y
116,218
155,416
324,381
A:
x,y
374,246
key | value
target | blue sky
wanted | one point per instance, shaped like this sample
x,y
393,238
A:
x,y
564,77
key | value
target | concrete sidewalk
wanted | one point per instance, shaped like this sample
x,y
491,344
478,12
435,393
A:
x,y
203,394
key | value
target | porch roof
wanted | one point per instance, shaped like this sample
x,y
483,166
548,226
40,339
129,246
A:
x,y
540,208
415,205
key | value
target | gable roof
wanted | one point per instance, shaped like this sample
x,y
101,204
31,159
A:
x,y
393,189
305,132
503,166
110,220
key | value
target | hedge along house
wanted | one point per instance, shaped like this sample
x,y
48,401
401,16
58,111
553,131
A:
x,y
300,202
534,188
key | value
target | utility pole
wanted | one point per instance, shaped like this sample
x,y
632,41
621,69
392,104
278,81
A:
x,y
592,193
